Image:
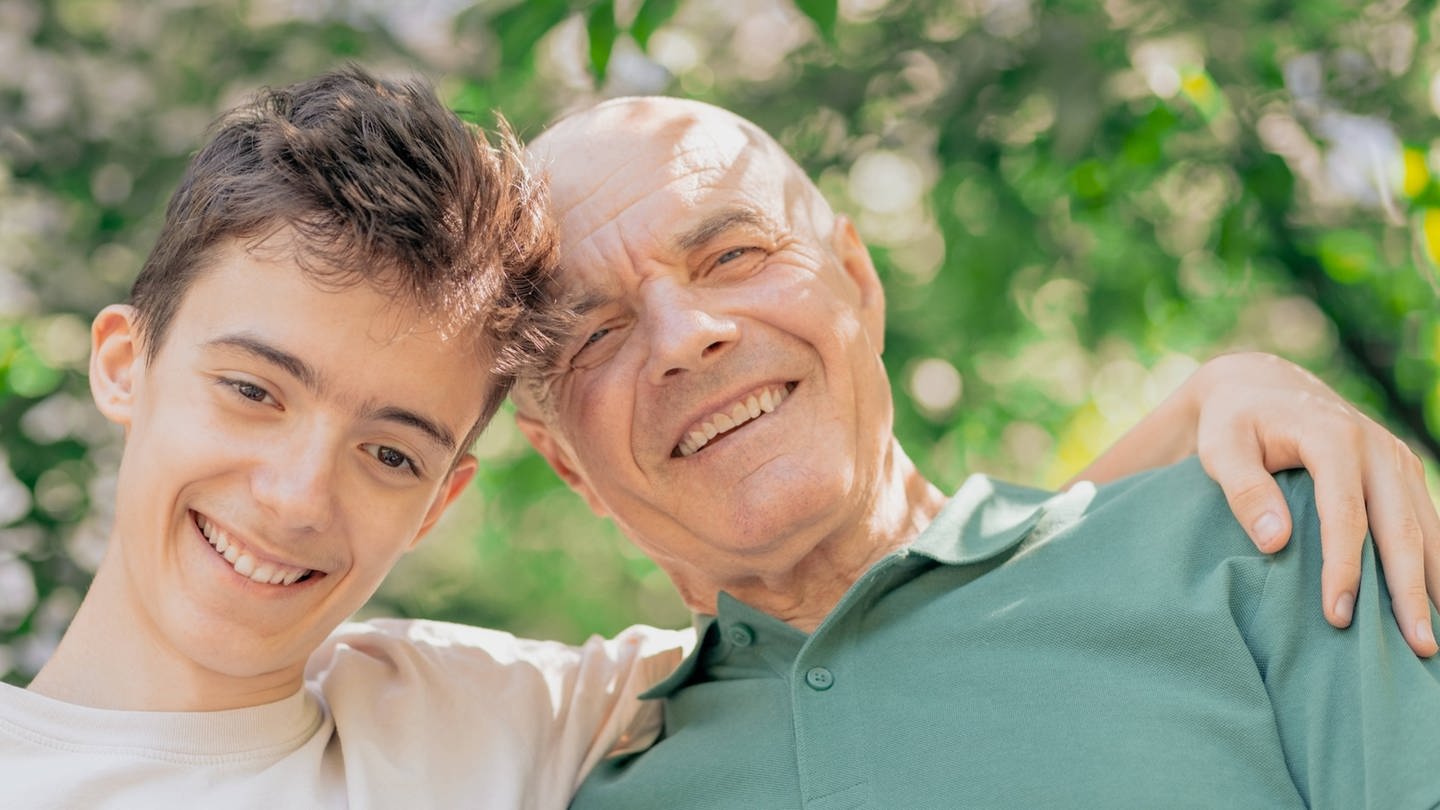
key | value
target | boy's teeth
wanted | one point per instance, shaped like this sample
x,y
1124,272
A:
x,y
245,563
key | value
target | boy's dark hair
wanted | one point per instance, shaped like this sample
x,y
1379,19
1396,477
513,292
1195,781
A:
x,y
382,185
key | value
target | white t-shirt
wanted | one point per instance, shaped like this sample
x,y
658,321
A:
x,y
393,714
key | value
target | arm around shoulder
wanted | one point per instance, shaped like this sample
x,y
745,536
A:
x,y
1358,713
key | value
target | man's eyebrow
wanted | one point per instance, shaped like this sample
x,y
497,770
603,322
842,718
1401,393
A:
x,y
437,432
273,355
718,223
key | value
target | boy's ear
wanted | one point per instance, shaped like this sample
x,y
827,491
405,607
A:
x,y
558,457
860,268
452,488
116,362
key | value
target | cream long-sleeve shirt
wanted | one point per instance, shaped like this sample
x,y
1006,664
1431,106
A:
x,y
393,714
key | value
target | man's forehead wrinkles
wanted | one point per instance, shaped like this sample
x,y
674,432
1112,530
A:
x,y
564,207
605,214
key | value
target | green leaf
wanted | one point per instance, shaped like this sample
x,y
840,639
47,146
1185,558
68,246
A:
x,y
652,15
823,13
521,26
1348,255
602,30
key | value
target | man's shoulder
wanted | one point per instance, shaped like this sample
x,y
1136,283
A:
x,y
1183,496
1156,536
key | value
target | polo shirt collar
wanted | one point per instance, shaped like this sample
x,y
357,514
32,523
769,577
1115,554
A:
x,y
985,518
704,627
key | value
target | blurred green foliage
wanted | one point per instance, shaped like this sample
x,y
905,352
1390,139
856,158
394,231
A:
x,y
1071,203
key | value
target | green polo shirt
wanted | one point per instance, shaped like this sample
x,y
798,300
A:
x,y
1120,647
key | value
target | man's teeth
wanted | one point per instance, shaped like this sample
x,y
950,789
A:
x,y
244,563
751,407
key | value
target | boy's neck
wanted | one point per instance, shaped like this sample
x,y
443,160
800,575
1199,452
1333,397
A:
x,y
112,657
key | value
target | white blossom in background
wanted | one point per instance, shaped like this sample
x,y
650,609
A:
x,y
935,386
1363,158
1163,62
14,495
17,591
885,181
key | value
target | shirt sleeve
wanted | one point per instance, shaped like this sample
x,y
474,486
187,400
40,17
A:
x,y
1358,713
465,716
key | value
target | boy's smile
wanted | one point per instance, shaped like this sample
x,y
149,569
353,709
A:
x,y
245,560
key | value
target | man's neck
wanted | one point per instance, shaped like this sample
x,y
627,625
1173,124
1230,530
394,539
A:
x,y
112,657
899,508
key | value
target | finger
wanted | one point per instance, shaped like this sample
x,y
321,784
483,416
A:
x,y
1429,520
1340,502
1399,541
1253,495
1430,528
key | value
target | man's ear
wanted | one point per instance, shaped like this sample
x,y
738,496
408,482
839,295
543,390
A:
x,y
855,259
558,458
454,485
116,362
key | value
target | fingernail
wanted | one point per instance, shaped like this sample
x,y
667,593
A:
x,y
1266,529
1345,607
1423,633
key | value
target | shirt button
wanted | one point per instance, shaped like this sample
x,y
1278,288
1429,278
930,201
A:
x,y
741,635
819,679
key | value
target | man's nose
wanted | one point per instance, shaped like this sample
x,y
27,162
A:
x,y
295,482
685,334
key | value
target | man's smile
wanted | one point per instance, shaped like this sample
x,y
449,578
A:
x,y
246,562
726,420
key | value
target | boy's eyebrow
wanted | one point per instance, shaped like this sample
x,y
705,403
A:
x,y
435,431
308,377
297,368
718,223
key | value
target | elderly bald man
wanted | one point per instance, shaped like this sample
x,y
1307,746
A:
x,y
868,641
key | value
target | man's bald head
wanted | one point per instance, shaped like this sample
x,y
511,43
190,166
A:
x,y
601,158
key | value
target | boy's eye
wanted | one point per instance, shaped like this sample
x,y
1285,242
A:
x,y
391,457
251,391
248,390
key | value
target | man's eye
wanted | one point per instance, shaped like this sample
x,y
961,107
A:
x,y
731,255
597,346
391,457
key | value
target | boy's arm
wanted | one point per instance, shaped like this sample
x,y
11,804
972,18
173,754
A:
x,y
465,716
1251,415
